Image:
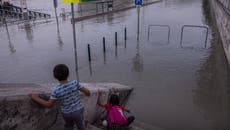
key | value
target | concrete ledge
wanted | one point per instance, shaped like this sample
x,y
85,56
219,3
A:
x,y
19,112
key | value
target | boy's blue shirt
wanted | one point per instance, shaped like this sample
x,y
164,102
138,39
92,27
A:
x,y
68,96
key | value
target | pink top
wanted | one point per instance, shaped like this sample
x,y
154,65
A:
x,y
115,114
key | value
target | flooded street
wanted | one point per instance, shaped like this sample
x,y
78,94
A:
x,y
178,85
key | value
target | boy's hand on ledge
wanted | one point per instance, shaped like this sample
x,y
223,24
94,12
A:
x,y
33,95
46,103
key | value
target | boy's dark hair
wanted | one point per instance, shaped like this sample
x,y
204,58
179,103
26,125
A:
x,y
61,72
114,100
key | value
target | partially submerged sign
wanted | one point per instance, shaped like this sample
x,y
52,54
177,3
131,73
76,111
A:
x,y
138,2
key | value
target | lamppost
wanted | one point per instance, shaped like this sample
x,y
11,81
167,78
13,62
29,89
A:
x,y
55,10
74,40
138,4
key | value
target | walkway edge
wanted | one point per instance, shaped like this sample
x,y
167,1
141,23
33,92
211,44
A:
x,y
110,12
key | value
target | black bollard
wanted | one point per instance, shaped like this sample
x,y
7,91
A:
x,y
104,44
125,34
89,55
116,38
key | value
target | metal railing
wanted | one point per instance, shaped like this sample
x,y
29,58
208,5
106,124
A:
x,y
104,4
193,26
16,12
164,26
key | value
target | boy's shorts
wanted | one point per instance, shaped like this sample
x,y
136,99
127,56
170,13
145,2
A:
x,y
74,118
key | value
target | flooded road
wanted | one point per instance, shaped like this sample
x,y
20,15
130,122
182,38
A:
x,y
177,86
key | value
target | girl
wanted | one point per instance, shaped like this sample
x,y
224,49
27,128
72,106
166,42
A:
x,y
115,111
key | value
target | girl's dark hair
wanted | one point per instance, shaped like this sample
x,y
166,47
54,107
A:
x,y
61,72
114,100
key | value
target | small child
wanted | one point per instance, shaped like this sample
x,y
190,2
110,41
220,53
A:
x,y
67,94
115,111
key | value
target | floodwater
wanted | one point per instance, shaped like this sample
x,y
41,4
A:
x,y
177,85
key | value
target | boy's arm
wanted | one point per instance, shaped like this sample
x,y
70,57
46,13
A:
x,y
50,103
85,91
99,99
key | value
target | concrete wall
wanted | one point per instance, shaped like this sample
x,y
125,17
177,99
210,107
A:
x,y
221,9
226,3
19,112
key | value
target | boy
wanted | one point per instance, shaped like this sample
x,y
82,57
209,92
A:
x,y
66,93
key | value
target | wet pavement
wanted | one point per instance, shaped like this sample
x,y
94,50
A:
x,y
177,86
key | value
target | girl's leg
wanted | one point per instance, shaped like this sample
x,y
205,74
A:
x,y
130,120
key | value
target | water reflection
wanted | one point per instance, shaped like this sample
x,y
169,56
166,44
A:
x,y
59,38
82,26
11,46
60,42
101,19
110,18
90,69
29,32
116,52
76,64
137,60
76,67
104,58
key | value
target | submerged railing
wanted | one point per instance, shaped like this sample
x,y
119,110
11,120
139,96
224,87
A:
x,y
157,25
193,26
